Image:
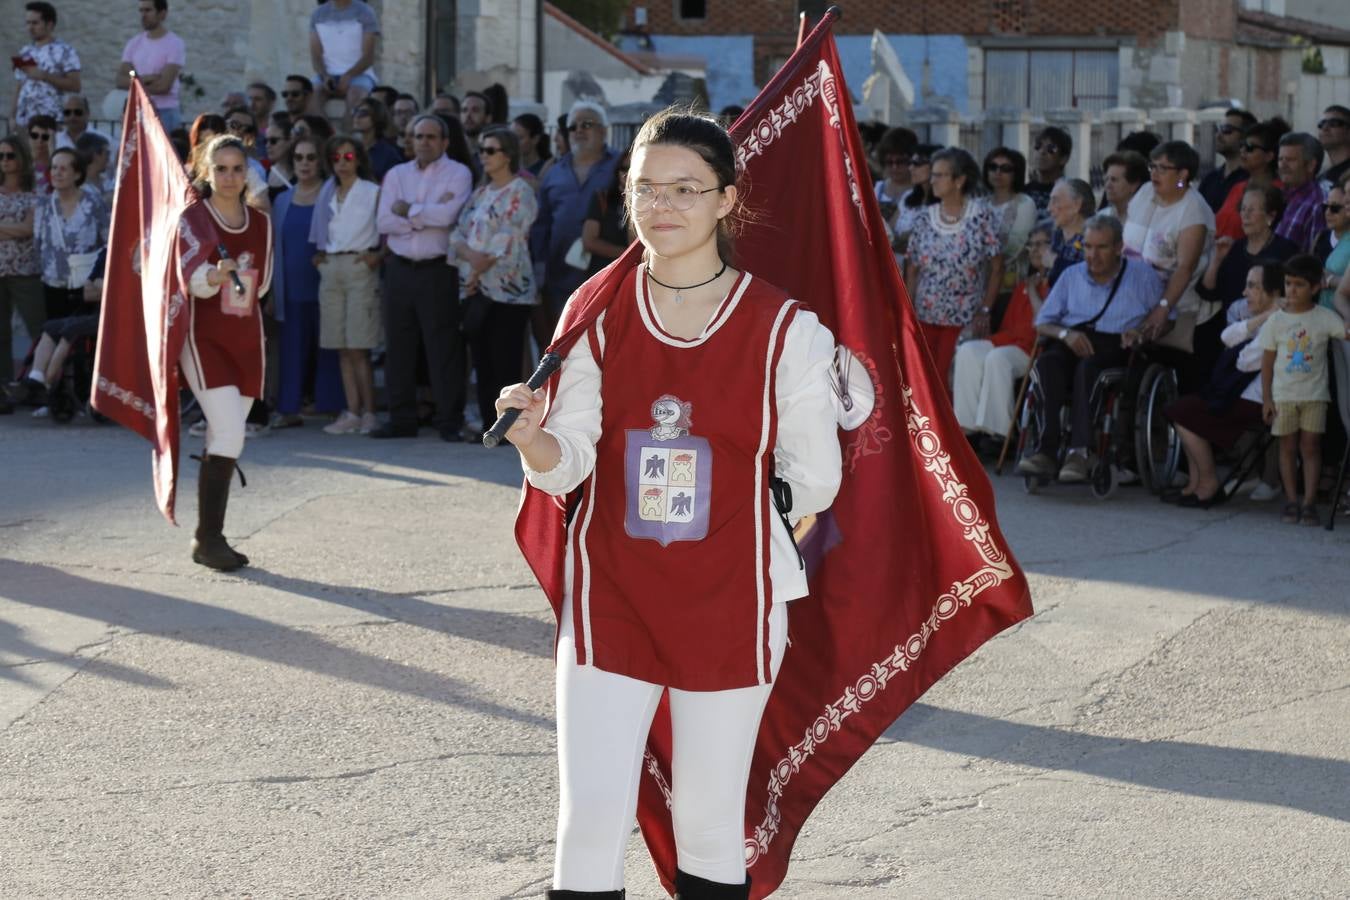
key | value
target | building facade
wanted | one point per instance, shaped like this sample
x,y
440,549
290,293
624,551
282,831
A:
x,y
425,44
986,54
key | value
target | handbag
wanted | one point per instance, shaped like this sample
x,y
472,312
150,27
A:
x,y
473,314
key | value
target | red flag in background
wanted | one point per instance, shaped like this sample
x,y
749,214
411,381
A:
x,y
141,332
909,573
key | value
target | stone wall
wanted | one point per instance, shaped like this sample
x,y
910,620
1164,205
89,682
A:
x,y
229,42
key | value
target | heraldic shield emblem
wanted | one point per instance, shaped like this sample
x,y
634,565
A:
x,y
668,477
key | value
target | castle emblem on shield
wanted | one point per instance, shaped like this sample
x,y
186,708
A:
x,y
668,476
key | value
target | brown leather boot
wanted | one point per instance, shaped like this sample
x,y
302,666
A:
x,y
209,547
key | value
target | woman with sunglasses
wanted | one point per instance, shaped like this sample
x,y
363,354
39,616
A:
x,y
1335,259
490,246
295,292
691,369
914,201
20,287
1258,154
280,177
348,242
893,155
370,121
1005,177
41,143
222,357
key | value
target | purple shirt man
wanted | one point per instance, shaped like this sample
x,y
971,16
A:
x,y
1300,157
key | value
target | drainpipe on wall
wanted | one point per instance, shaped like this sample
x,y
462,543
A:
x,y
539,51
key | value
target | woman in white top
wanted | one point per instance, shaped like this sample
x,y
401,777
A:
x,y
671,604
1172,227
348,259
1005,176
491,248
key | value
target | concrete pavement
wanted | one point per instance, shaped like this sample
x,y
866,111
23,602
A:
x,y
367,712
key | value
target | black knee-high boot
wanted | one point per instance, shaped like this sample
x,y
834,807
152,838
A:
x,y
691,887
556,894
209,547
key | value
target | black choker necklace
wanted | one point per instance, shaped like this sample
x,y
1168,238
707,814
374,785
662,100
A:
x,y
679,291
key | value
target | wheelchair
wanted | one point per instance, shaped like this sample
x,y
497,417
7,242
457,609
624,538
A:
x,y
1129,429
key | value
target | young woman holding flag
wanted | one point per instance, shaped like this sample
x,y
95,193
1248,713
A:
x,y
222,357
699,396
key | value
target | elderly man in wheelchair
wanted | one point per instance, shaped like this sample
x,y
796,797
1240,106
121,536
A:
x,y
1098,310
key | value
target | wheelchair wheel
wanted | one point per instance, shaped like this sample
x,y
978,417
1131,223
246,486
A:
x,y
1157,449
1105,480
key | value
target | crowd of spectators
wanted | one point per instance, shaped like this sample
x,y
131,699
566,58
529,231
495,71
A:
x,y
436,241
1239,270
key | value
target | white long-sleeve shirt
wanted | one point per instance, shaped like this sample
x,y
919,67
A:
x,y
806,456
1249,357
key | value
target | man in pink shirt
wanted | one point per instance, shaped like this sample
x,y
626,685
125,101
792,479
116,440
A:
x,y
419,204
156,55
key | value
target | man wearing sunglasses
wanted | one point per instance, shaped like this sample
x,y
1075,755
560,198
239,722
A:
x,y
565,194
1333,130
1051,151
46,69
1227,144
156,55
75,118
296,93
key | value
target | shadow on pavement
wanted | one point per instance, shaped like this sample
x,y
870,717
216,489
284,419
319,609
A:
x,y
511,631
215,627
1198,770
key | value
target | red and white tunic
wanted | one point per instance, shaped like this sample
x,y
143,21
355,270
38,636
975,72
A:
x,y
676,553
225,349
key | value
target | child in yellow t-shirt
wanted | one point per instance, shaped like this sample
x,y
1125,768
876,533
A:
x,y
1295,385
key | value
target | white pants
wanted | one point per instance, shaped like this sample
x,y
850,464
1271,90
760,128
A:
x,y
225,409
982,388
603,720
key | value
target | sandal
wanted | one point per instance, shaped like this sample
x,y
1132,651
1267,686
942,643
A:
x,y
1309,516
1290,514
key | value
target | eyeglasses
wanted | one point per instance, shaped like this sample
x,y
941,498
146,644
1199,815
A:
x,y
349,156
8,155
40,136
360,111
1225,128
307,157
291,95
582,126
1333,123
73,113
916,162
1163,167
681,197
897,160
490,151
1002,168
1334,208
1249,147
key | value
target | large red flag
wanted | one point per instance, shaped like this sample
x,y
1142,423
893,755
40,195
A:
x,y
141,331
909,573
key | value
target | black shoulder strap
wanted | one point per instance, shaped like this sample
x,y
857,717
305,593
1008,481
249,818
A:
x,y
1115,286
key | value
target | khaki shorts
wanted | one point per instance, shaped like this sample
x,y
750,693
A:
x,y
1292,417
349,306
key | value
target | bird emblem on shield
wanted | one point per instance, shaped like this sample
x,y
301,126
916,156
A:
x,y
668,476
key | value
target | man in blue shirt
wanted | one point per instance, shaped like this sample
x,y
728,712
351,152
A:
x,y
565,194
1086,324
